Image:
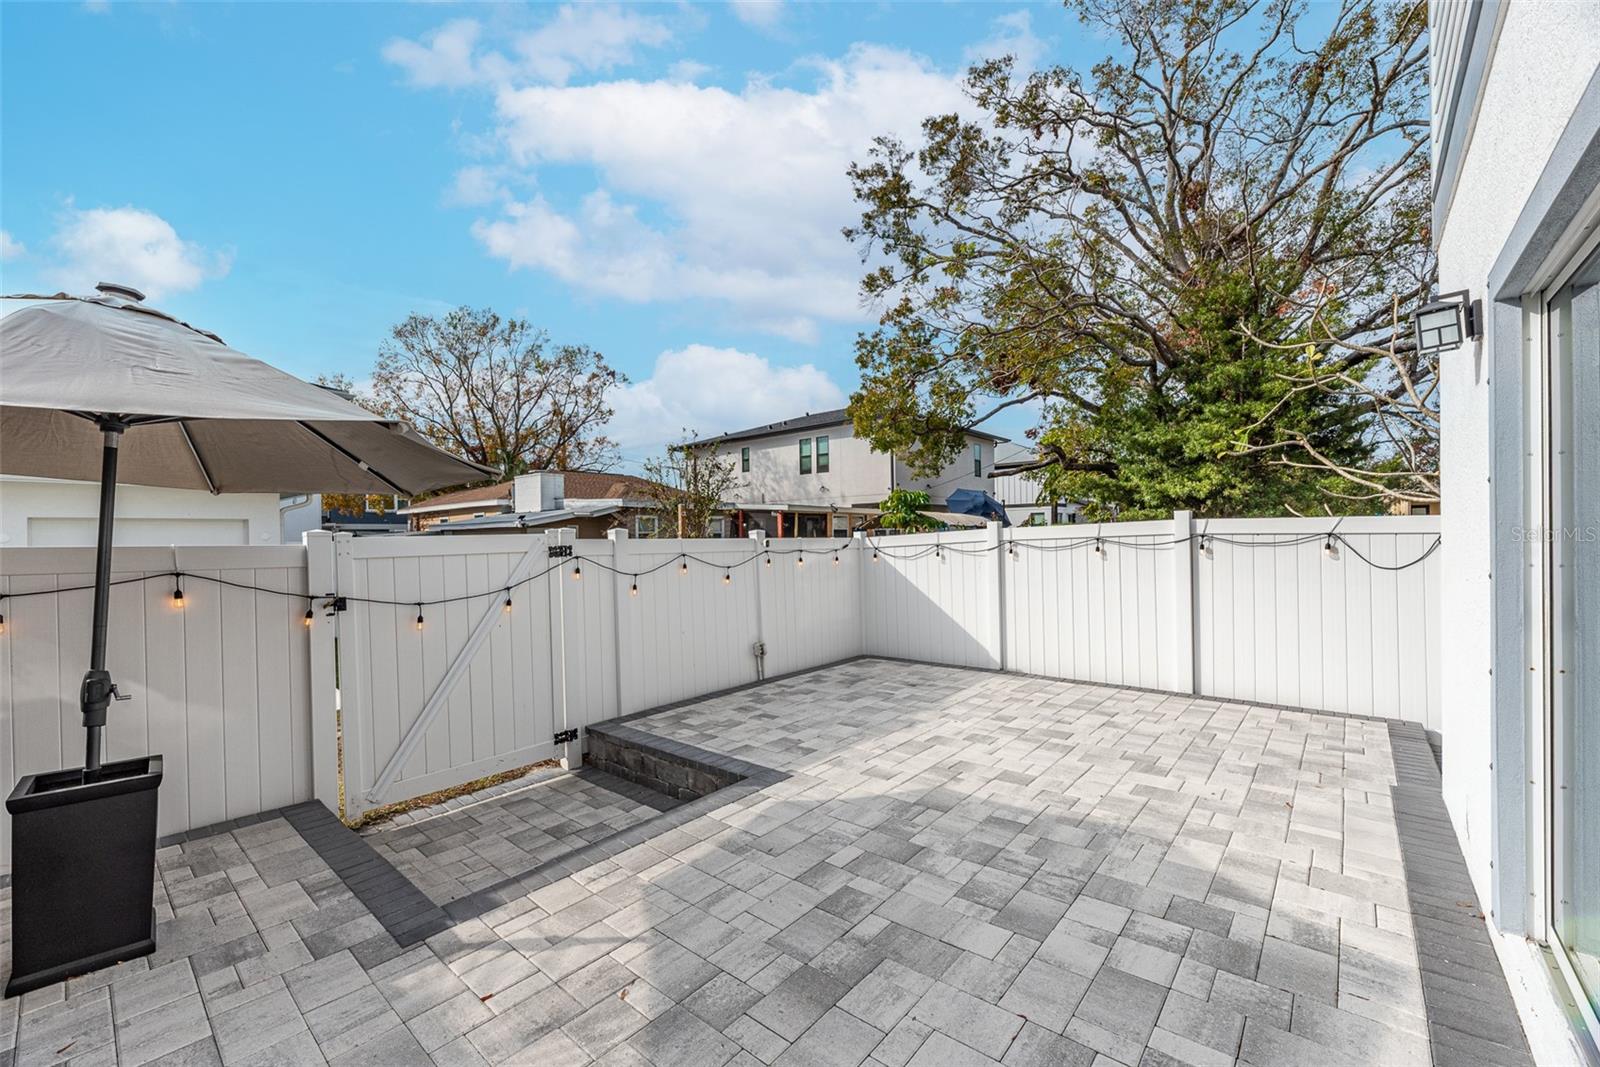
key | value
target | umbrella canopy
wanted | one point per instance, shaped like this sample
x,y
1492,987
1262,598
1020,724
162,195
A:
x,y
200,415
977,502
104,387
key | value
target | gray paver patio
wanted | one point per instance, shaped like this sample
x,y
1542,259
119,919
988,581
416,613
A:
x,y
960,867
463,849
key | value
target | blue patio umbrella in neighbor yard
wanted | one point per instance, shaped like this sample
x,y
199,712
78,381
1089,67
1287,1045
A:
x,y
977,502
104,387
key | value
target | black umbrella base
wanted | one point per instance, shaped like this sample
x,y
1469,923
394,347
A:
x,y
83,863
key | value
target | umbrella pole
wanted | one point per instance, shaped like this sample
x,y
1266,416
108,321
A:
x,y
98,688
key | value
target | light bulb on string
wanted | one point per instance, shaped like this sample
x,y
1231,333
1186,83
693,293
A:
x,y
800,560
683,567
634,589
308,616
508,602
177,590
727,578
419,616
577,571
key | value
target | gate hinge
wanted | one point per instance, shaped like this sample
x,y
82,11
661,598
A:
x,y
337,603
560,551
564,737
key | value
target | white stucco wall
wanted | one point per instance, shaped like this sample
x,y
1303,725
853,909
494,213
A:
x,y
957,475
856,474
1543,59
49,512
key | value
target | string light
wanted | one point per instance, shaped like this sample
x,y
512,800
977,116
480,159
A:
x,y
727,579
1205,540
836,559
508,602
577,571
800,560
2,624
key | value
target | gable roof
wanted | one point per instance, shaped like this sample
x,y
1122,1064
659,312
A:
x,y
809,421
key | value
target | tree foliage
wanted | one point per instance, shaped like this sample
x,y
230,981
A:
x,y
1141,252
903,511
498,392
691,481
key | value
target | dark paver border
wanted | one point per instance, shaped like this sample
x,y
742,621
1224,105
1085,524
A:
x,y
407,913
1472,1019
404,911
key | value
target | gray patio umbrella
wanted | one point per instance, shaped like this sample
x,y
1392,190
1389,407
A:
x,y
103,387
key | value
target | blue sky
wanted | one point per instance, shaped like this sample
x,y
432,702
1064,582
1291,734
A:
x,y
665,183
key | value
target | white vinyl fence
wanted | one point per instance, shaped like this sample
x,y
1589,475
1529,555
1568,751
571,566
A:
x,y
1243,609
245,697
220,685
595,629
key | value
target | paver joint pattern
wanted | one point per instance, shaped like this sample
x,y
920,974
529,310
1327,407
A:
x,y
935,866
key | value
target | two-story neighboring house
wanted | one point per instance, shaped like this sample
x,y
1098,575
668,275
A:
x,y
813,477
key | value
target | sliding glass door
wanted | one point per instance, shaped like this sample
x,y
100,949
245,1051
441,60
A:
x,y
1573,318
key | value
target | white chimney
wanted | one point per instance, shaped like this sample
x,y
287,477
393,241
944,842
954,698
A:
x,y
539,491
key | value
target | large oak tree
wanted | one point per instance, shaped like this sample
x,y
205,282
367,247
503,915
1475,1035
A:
x,y
498,391
1141,253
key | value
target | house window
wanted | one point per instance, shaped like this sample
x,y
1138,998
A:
x,y
646,525
822,455
744,459
805,455
977,461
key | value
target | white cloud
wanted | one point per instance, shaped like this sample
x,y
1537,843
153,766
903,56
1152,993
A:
x,y
131,246
694,192
10,247
687,70
707,390
1012,36
709,193
443,58
475,186
762,14
589,37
